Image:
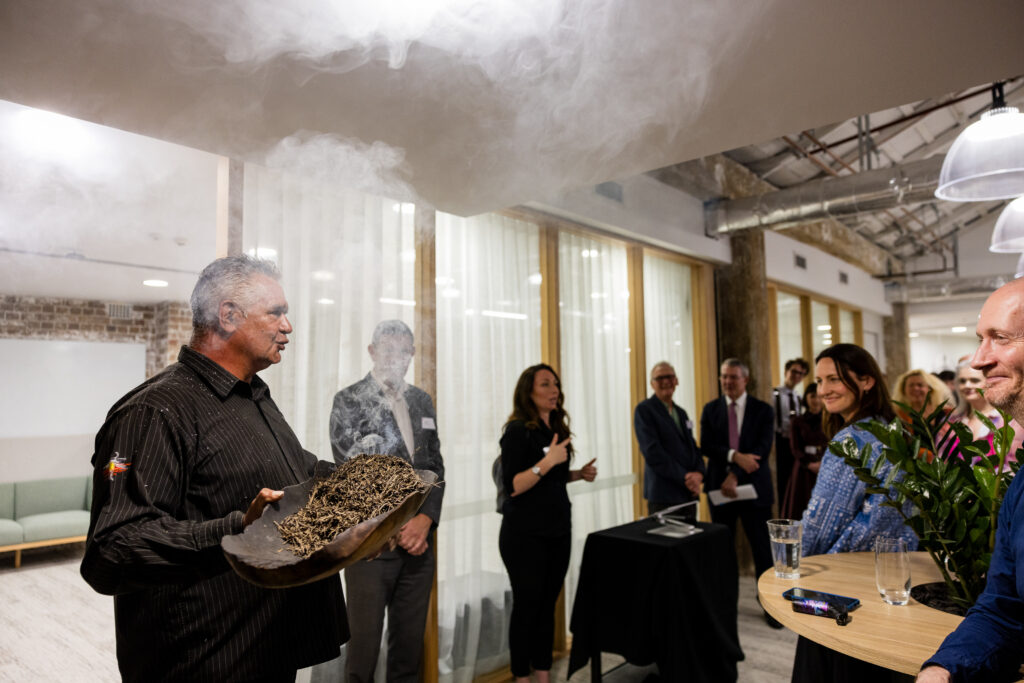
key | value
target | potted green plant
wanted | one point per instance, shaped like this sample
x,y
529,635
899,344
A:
x,y
953,484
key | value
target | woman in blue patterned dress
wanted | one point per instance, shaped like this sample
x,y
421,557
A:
x,y
841,517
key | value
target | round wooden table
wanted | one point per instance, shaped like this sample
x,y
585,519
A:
x,y
895,637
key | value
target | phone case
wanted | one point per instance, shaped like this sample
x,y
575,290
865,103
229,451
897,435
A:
x,y
831,598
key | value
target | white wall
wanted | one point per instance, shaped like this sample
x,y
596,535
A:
x,y
650,210
935,352
57,394
822,274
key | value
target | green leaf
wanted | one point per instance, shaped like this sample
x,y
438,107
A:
x,y
960,531
986,479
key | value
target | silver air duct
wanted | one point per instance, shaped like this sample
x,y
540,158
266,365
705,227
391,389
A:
x,y
876,190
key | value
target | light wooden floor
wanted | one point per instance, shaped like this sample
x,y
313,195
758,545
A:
x,y
53,627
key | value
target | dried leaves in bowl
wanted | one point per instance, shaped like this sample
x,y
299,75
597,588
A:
x,y
362,488
261,556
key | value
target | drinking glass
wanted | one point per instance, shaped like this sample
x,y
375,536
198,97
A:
x,y
785,535
892,570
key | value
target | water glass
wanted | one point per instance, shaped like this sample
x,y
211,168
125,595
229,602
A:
x,y
785,535
892,570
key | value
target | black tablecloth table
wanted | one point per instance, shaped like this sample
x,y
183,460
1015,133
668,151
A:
x,y
653,598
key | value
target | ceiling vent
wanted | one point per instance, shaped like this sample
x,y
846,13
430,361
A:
x,y
844,279
610,190
119,311
799,261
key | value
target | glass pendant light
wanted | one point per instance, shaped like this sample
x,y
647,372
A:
x,y
1008,235
986,161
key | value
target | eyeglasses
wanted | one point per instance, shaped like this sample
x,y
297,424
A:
x,y
664,378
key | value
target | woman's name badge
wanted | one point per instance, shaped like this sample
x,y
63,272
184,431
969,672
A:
x,y
428,423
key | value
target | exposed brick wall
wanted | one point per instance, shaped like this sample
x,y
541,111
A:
x,y
173,329
162,327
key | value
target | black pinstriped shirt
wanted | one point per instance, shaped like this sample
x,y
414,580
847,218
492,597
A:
x,y
177,463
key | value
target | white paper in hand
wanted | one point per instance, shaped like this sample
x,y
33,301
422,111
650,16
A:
x,y
745,492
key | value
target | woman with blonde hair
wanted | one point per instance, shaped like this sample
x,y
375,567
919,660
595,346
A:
x,y
913,387
969,383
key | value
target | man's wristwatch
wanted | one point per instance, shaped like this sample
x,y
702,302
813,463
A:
x,y
536,470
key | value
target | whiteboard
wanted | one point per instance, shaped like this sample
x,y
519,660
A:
x,y
59,388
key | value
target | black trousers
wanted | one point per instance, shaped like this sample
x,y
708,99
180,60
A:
x,y
536,568
755,525
783,465
814,663
401,584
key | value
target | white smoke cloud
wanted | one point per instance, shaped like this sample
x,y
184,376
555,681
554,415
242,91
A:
x,y
558,89
343,163
69,186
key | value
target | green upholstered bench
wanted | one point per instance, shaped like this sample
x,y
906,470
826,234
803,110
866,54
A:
x,y
43,512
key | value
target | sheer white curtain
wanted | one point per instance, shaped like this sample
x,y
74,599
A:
x,y
846,331
668,324
594,303
488,332
821,324
790,330
346,261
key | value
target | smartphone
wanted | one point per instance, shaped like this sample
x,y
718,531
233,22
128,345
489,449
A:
x,y
803,593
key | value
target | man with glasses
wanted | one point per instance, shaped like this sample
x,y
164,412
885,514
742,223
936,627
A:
x,y
787,406
674,468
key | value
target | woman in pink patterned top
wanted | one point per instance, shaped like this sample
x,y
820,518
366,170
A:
x,y
968,383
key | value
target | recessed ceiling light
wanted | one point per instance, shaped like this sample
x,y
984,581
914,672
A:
x,y
958,329
322,275
155,283
325,301
914,335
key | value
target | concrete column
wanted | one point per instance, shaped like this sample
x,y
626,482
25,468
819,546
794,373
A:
x,y
743,332
743,317
896,342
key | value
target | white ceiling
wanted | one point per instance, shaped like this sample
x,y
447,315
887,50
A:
x,y
471,106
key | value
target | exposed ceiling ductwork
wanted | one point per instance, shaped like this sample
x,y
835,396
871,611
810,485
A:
x,y
951,289
837,197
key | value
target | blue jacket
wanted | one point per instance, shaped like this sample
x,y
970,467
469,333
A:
x,y
670,453
989,643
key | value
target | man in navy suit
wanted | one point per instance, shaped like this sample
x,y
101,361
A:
x,y
383,414
736,434
674,468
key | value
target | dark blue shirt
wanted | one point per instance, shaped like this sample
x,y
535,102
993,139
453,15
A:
x,y
989,643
